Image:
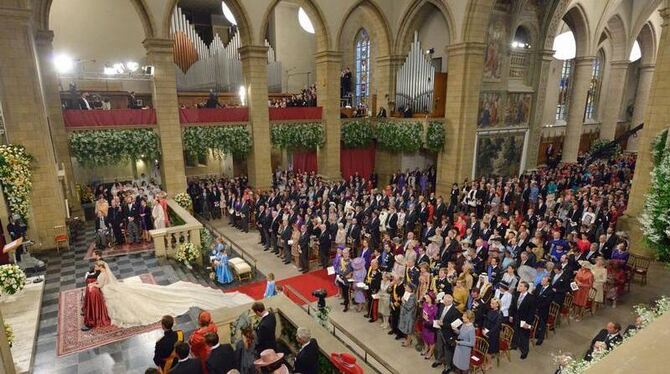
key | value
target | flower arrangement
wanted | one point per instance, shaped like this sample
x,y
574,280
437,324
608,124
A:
x,y
187,253
12,279
184,201
9,333
400,136
655,218
234,140
15,177
435,136
660,148
357,133
298,135
110,147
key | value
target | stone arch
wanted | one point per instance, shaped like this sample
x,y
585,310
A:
x,y
576,20
315,15
378,27
531,30
616,33
477,19
647,40
412,17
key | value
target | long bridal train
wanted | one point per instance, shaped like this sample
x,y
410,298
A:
x,y
131,304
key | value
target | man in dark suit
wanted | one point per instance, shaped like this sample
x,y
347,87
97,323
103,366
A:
x,y
221,358
392,223
446,337
354,235
560,284
244,216
610,336
165,345
303,242
544,296
325,243
265,332
523,312
307,359
185,365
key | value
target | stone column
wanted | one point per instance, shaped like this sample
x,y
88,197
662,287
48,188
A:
x,y
541,76
581,81
641,96
613,98
6,360
328,65
387,67
44,45
454,163
259,165
173,171
26,122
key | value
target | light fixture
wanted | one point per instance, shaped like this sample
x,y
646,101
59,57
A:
x,y
430,51
132,66
120,69
304,21
108,70
242,92
63,63
228,13
635,53
515,44
565,46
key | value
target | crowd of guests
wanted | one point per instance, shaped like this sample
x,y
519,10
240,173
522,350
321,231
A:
x,y
306,97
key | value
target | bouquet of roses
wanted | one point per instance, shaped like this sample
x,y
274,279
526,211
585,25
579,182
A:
x,y
187,253
184,201
12,279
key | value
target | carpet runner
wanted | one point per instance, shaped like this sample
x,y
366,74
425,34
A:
x,y
303,284
71,339
120,250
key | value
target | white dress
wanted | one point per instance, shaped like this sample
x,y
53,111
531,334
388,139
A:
x,y
138,304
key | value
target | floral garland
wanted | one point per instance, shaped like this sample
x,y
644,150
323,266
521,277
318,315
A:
x,y
15,177
435,136
604,149
187,253
400,137
357,133
659,148
12,279
110,147
655,218
9,333
234,140
298,135
184,200
647,313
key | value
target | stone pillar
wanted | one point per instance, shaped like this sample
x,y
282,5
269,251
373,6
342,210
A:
x,y
259,161
26,121
454,163
328,65
173,171
541,76
581,81
613,98
6,360
641,96
387,67
44,45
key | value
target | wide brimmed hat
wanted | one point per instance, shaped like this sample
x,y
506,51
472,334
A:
x,y
586,264
268,357
345,363
358,263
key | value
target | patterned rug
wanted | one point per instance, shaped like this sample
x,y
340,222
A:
x,y
120,250
71,339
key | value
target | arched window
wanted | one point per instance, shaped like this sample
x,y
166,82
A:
x,y
593,96
564,90
362,63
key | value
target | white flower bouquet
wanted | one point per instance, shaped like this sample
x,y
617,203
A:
x,y
12,279
187,253
184,201
15,177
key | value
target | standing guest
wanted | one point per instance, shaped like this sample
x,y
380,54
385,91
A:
x,y
157,214
199,347
464,343
491,330
145,220
544,296
407,315
271,362
325,244
384,298
616,279
131,217
245,351
185,365
460,295
584,280
523,316
307,359
446,337
373,280
359,273
428,313
599,279
164,355
344,272
397,292
115,220
221,358
265,331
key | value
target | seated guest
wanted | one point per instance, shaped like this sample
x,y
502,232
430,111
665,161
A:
x,y
307,359
197,341
164,355
221,358
185,365
605,339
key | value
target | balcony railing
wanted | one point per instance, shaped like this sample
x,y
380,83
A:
x,y
296,113
213,115
109,118
168,240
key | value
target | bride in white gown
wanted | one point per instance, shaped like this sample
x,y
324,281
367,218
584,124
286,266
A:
x,y
138,304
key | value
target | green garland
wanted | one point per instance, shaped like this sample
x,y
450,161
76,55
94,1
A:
x,y
15,177
110,147
602,149
357,133
298,135
235,140
400,136
435,136
659,148
655,218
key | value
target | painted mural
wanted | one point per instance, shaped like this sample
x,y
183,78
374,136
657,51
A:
x,y
490,110
517,109
499,154
495,50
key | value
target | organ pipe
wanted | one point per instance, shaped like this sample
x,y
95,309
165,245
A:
x,y
414,80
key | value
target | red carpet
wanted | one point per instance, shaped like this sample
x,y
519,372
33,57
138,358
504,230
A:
x,y
303,284
71,339
120,250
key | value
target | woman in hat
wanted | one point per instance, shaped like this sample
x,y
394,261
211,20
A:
x,y
599,279
271,362
359,273
428,312
584,280
384,300
407,314
199,347
345,363
464,342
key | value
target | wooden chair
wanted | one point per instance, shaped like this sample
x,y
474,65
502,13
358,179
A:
x,y
60,236
640,268
552,318
506,336
478,355
533,330
566,309
591,305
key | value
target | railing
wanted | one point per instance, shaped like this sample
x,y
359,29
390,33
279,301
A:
x,y
296,113
213,115
109,118
251,260
167,240
518,67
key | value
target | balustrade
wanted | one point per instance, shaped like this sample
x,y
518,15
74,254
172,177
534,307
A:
x,y
167,240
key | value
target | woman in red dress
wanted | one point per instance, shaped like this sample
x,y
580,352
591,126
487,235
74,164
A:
x,y
584,280
95,310
199,347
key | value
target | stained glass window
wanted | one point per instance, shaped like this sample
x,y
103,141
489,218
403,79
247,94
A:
x,y
593,96
564,90
362,63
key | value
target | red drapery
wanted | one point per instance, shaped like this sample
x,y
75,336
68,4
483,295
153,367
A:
x,y
357,160
305,161
210,115
114,117
295,113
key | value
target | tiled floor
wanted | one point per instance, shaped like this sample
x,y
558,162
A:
x,y
66,271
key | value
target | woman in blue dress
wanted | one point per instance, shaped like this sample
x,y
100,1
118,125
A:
x,y
223,273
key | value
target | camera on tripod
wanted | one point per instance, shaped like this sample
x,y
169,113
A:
x,y
321,294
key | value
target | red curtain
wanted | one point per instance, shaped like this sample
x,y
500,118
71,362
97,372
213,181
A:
x,y
210,115
114,117
295,113
304,161
357,160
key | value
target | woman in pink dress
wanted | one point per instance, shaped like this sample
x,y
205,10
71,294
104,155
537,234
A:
x,y
584,279
428,311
